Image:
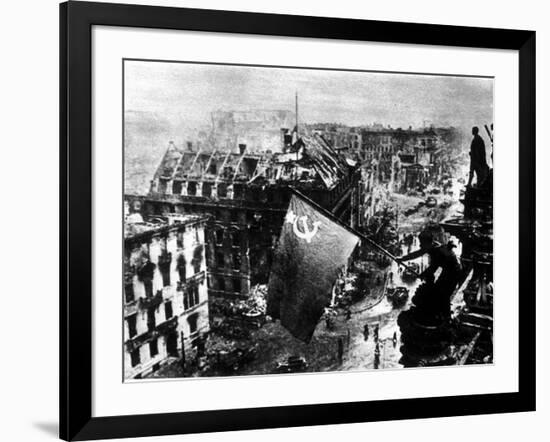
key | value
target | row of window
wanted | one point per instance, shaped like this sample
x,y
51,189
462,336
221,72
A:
x,y
236,260
191,297
171,343
135,356
164,267
151,318
222,191
222,286
236,237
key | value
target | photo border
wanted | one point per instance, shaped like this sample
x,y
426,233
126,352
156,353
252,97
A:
x,y
76,21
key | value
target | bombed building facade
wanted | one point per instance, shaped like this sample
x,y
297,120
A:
x,y
165,292
406,158
258,129
245,196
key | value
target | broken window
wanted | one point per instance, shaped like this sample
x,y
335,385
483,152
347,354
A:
x,y
220,262
164,267
219,237
222,190
148,283
197,258
192,320
162,186
129,288
196,294
221,283
191,297
181,268
145,274
238,191
153,348
131,321
237,285
176,187
191,188
151,320
237,261
134,356
207,189
168,309
236,238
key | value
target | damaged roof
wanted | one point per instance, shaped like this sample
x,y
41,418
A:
x,y
311,158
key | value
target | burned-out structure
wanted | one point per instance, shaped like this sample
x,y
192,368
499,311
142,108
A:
x,y
246,195
409,158
165,294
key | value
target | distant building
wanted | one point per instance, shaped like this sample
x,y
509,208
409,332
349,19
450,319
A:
x,y
165,291
340,136
258,129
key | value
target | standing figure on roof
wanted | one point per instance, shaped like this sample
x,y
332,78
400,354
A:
x,y
436,298
478,160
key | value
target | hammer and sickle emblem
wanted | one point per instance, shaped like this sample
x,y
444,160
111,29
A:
x,y
306,233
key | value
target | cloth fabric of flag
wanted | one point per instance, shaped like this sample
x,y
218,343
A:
x,y
311,252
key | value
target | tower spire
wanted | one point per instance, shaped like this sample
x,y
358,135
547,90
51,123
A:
x,y
296,113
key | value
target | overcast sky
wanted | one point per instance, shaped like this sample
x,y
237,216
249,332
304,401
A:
x,y
183,92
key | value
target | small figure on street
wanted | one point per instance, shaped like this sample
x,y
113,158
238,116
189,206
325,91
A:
x,y
394,339
377,356
340,350
478,160
348,314
329,319
366,331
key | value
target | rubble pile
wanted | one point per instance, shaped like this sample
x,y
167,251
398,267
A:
x,y
255,304
226,356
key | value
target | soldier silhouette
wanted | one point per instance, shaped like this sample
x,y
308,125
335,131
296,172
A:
x,y
437,298
478,160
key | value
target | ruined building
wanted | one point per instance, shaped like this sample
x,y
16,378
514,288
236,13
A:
x,y
259,129
165,292
405,158
246,194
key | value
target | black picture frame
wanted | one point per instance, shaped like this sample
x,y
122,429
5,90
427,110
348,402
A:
x,y
76,21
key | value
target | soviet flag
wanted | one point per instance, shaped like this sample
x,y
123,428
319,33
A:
x,y
311,252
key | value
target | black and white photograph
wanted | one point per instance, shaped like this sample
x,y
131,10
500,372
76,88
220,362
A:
x,y
286,220
275,220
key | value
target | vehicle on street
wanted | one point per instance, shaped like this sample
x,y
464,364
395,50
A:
x,y
294,364
431,202
398,296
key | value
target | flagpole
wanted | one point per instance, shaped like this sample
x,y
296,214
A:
x,y
331,216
